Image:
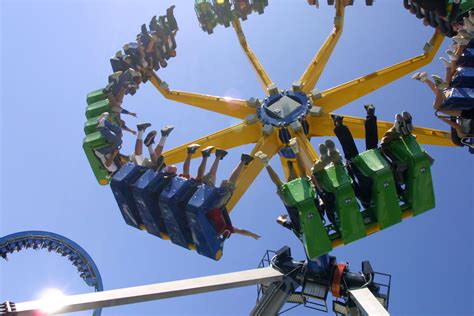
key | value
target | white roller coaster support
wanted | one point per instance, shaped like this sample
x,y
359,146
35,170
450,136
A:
x,y
157,291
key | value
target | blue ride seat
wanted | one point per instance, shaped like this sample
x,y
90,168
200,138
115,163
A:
x,y
173,201
464,78
459,99
146,191
121,187
467,58
208,242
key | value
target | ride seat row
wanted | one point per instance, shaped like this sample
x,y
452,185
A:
x,y
170,207
387,207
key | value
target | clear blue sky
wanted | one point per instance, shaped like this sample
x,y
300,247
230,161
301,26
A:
x,y
54,52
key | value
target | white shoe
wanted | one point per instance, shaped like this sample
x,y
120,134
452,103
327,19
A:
x,y
465,33
263,158
420,76
460,40
440,83
102,118
452,55
468,25
446,62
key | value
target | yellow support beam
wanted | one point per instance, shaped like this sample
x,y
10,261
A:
x,y
270,145
257,66
234,136
312,73
334,98
427,136
307,149
223,105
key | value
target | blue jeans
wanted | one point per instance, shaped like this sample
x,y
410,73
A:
x,y
112,134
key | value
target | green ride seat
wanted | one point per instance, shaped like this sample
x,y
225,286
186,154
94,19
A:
x,y
299,193
96,96
91,125
97,108
335,180
91,142
419,192
384,204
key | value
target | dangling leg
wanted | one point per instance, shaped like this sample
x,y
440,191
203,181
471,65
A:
x,y
266,163
344,136
291,171
299,158
454,125
202,167
187,163
371,132
139,142
210,178
159,148
244,161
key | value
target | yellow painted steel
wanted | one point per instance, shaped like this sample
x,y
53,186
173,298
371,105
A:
x,y
270,145
257,66
341,95
223,105
234,136
323,126
311,76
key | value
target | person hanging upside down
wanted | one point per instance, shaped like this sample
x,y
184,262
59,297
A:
x,y
113,135
218,215
155,153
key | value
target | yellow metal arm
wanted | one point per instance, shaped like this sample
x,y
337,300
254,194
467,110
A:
x,y
257,66
336,97
270,145
311,75
307,149
227,106
356,125
237,135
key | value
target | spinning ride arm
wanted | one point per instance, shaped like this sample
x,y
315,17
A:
x,y
257,66
424,135
223,105
311,75
231,137
334,98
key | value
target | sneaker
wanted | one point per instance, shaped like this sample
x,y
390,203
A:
x,y
221,153
452,55
465,34
370,109
150,138
246,159
192,148
165,131
460,40
471,16
420,76
335,156
323,150
440,83
337,119
408,121
143,126
293,144
206,152
468,25
399,124
446,62
330,146
102,119
263,158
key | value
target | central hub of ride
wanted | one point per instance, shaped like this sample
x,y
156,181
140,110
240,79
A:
x,y
283,108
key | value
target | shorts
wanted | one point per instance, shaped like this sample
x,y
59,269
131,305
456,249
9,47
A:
x,y
209,180
139,160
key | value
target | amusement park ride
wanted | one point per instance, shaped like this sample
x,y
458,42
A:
x,y
324,204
